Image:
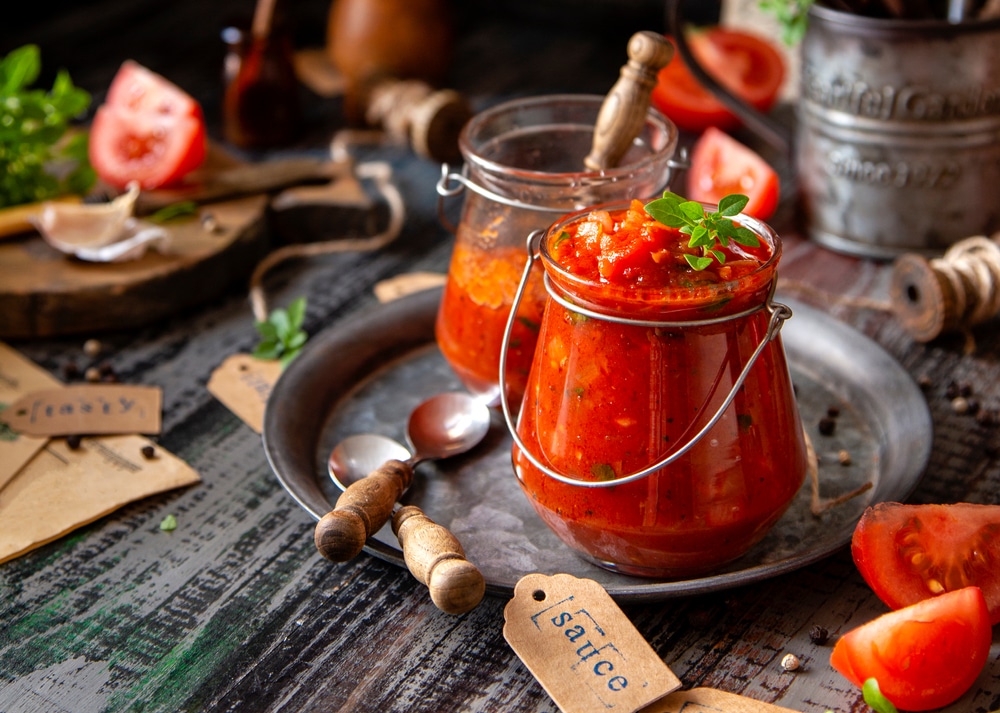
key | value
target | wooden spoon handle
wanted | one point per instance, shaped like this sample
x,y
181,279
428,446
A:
x,y
436,558
624,109
361,511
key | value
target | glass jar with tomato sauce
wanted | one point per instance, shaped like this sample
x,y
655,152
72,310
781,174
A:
x,y
524,167
659,434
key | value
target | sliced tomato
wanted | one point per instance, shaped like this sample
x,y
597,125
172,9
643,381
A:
x,y
140,89
153,149
747,65
907,553
721,165
923,656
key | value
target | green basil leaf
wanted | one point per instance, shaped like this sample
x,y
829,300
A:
x,y
732,204
698,263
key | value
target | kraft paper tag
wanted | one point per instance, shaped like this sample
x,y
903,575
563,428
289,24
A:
x,y
63,488
18,376
711,700
86,409
243,384
582,648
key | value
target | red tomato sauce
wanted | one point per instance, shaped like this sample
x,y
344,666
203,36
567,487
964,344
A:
x,y
474,308
605,400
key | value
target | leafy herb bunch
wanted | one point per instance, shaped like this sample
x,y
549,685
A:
x,y
708,231
38,161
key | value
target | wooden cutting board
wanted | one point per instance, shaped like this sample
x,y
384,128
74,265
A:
x,y
45,293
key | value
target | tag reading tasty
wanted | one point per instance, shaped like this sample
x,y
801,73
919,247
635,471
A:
x,y
582,648
710,700
91,409
243,384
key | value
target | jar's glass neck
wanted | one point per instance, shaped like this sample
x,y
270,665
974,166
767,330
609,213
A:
x,y
693,301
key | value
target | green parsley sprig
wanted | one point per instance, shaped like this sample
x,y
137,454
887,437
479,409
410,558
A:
x,y
282,336
38,159
708,231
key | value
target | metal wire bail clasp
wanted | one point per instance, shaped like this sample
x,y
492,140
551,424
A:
x,y
777,311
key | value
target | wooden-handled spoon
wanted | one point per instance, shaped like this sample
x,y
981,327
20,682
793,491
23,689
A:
x,y
443,426
624,109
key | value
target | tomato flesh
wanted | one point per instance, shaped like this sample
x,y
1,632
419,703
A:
x,y
721,165
140,89
907,553
152,150
923,656
748,66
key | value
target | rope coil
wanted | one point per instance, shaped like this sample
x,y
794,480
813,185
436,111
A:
x,y
954,292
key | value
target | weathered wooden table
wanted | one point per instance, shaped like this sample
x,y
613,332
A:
x,y
235,610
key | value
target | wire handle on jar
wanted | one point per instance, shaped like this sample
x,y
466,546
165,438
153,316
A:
x,y
778,314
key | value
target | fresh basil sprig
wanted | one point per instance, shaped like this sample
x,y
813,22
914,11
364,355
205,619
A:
x,y
38,160
282,336
708,231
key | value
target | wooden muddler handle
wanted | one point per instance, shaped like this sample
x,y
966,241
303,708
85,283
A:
x,y
436,558
624,109
361,511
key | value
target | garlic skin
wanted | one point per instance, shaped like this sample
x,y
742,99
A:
x,y
101,232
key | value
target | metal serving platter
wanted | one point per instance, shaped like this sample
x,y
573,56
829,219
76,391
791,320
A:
x,y
365,375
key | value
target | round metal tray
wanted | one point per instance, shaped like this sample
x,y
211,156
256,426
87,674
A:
x,y
368,372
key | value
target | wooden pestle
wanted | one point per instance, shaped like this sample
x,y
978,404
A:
x,y
624,109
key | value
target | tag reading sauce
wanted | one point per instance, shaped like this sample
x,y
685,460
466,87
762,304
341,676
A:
x,y
90,409
582,648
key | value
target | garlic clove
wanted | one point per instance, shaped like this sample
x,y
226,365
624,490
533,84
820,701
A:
x,y
70,226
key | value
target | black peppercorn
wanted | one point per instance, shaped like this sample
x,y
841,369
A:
x,y
827,426
73,441
148,452
819,635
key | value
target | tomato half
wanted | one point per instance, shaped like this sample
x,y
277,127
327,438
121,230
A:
x,y
923,656
747,65
140,89
153,149
721,165
907,553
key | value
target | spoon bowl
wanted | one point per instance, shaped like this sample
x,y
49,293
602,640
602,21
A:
x,y
356,456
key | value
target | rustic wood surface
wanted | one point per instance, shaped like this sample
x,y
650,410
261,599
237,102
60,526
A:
x,y
236,611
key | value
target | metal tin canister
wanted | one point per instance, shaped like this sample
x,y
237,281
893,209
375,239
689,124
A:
x,y
898,133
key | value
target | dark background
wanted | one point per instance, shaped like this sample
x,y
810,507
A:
x,y
182,41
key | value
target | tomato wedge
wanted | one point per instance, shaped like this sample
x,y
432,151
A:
x,y
152,149
907,553
747,65
721,165
148,130
923,656
140,89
